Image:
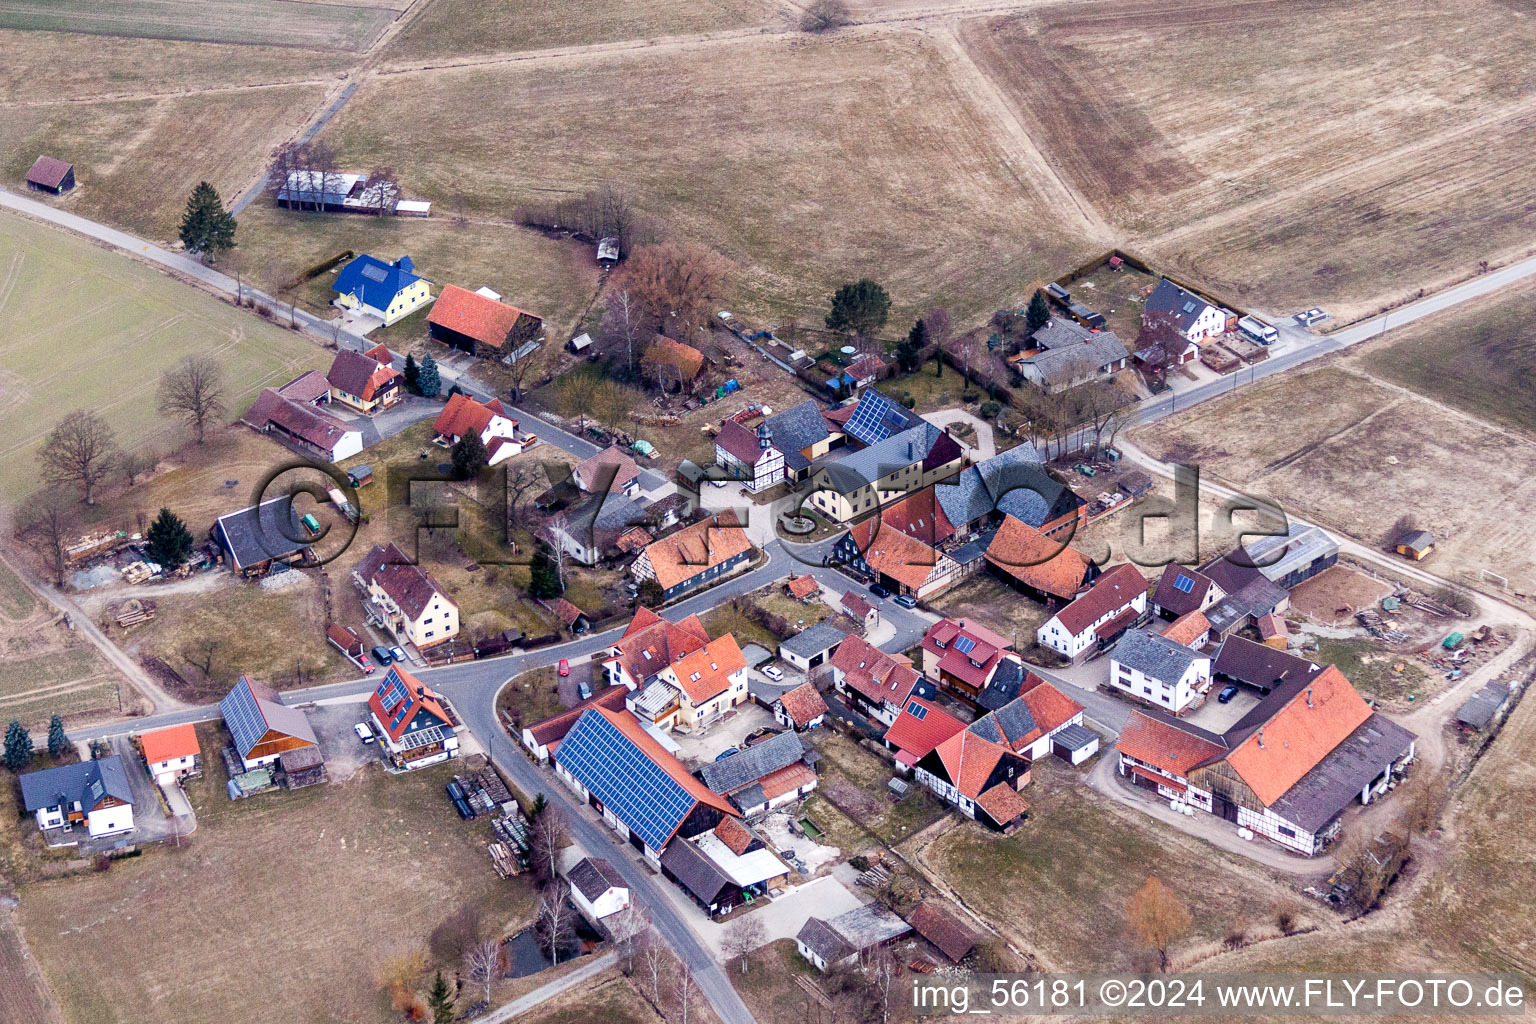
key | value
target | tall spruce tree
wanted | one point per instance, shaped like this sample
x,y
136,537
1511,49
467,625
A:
x,y
468,456
169,540
427,380
18,746
1039,312
207,228
412,373
440,1001
58,742
859,308
544,574
910,351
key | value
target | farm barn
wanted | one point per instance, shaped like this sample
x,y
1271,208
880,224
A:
x,y
50,175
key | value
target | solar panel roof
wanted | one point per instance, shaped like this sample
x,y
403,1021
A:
x,y
965,644
243,717
876,419
917,711
1183,584
636,789
374,273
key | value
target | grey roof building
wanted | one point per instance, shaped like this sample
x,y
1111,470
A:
x,y
882,458
1073,355
744,768
797,428
85,783
1479,709
1012,483
593,876
256,536
1343,773
1300,553
1154,656
812,646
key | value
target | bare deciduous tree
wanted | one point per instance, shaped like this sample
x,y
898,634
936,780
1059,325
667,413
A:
x,y
194,390
657,961
200,654
483,961
52,526
622,324
742,937
628,928
573,397
1157,917
80,450
675,285
882,973
383,190
556,924
684,988
459,933
824,16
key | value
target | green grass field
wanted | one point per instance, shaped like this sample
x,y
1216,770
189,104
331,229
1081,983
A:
x,y
321,26
1480,359
84,327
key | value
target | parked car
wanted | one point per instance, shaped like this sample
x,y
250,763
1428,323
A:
x,y
397,654
878,590
906,600
363,732
726,753
381,655
565,668
775,673
1226,694
584,689
365,664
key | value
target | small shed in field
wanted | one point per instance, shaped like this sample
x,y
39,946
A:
x,y
51,175
1416,544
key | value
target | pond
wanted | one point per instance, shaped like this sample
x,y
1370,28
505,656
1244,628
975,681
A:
x,y
526,954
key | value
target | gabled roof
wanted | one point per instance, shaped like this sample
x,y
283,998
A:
x,y
651,643
1036,560
920,516
309,386
1187,628
566,612
251,710
593,876
1049,709
696,872
1081,355
706,673
688,360
814,640
554,728
1417,540
298,418
1181,589
804,704
747,766
1335,781
966,649
817,936
633,540
736,836
48,171
476,316
633,775
934,922
968,759
463,414
1010,477
1260,665
403,705
1153,655
612,464
740,442
872,672
409,586
681,556
1114,590
169,744
1315,720
923,444
892,553
1175,748
261,532
920,727
357,374
1002,803
1184,305
804,586
874,418
798,427
375,281
87,783
855,605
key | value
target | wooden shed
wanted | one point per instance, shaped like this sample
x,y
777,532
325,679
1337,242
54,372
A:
x,y
50,175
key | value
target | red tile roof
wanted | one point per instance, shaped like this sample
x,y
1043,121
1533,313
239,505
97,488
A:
x,y
566,612
1002,803
299,419
1036,560
934,922
1048,706
804,704
706,673
550,731
785,780
168,744
873,673
968,759
920,516
463,414
804,586
1114,590
740,442
651,643
892,553
633,540
1188,628
1155,742
409,586
477,316
734,835
856,606
974,667
1317,719
918,736
685,554
419,698
647,745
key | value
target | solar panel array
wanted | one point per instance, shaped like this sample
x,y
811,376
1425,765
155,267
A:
x,y
917,711
965,644
1183,584
635,788
871,422
375,273
243,717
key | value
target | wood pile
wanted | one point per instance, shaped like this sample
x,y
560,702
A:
x,y
502,860
133,611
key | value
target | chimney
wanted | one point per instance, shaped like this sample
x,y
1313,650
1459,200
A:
x,y
1261,737
1309,697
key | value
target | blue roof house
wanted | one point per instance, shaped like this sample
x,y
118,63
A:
x,y
389,291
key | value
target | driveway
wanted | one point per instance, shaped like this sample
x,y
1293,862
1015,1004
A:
x,y
822,897
380,426
344,753
150,822
724,734
986,443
